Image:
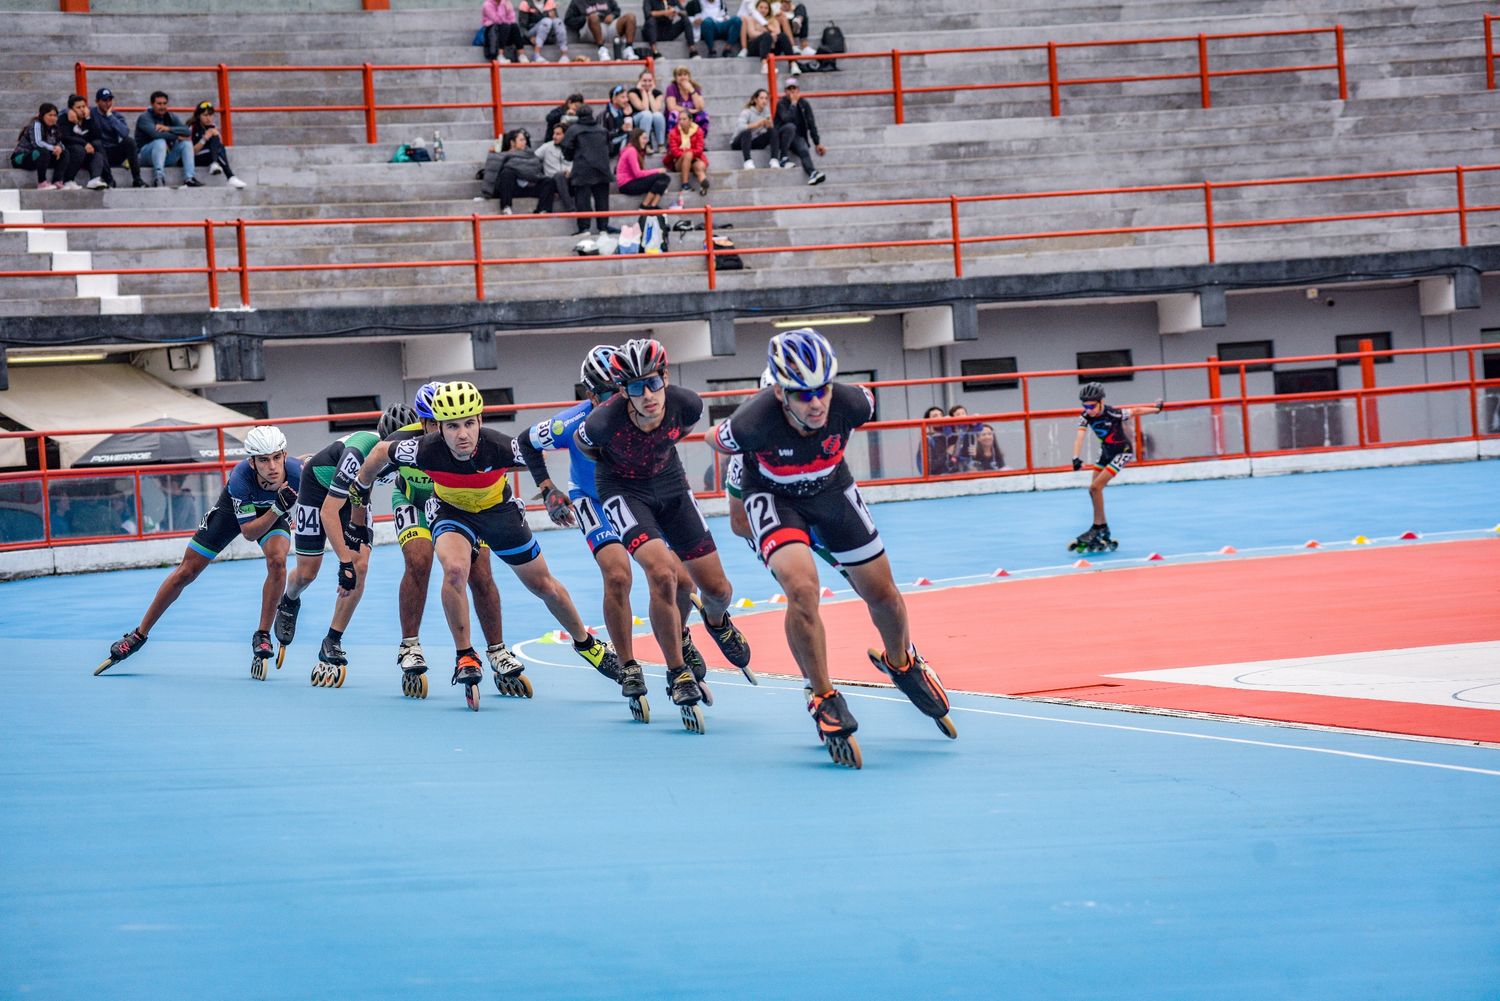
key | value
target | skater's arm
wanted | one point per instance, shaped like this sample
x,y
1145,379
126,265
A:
x,y
587,447
1078,447
370,469
721,439
332,506
1145,408
253,528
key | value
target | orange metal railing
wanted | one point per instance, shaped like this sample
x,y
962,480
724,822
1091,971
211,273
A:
x,y
947,209
40,493
370,106
1489,50
1054,82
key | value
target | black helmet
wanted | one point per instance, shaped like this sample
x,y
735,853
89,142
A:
x,y
636,359
1092,391
396,416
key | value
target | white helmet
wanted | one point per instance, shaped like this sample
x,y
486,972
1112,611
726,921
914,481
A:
x,y
265,440
766,378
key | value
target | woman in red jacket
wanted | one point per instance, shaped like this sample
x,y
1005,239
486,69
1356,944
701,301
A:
x,y
685,153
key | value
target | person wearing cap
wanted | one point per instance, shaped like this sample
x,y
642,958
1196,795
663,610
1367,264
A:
x,y
208,148
618,118
119,146
165,141
795,127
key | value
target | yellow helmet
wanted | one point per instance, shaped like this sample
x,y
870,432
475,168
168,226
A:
x,y
455,401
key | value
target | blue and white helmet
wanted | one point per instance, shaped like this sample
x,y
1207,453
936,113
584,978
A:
x,y
801,359
595,372
766,378
422,403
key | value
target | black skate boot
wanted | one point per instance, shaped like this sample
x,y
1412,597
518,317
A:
x,y
286,619
468,672
413,669
730,641
331,668
261,651
1102,541
685,693
633,687
691,658
1084,542
836,726
120,649
921,685
601,657
506,668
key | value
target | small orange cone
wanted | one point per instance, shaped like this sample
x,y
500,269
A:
x,y
1228,551
1155,556
921,582
1311,544
1081,564
1002,572
827,592
778,599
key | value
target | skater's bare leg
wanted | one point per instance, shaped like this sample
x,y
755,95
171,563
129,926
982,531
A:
x,y
873,582
486,596
660,565
685,591
614,567
412,594
713,587
739,523
303,574
455,553
345,604
540,582
1096,493
186,572
276,549
797,573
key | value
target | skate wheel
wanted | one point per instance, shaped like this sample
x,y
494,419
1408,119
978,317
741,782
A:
x,y
258,669
640,709
471,696
845,751
280,656
708,695
946,725
317,676
692,719
337,680
1113,546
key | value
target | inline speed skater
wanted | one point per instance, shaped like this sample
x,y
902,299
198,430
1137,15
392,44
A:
x,y
254,503
645,494
793,436
472,501
1115,452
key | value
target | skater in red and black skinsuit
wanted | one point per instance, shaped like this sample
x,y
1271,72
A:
x,y
796,486
644,491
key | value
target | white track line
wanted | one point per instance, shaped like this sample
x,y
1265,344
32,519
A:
x,y
1102,726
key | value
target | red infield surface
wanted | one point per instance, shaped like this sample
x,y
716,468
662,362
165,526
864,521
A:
x,y
1065,636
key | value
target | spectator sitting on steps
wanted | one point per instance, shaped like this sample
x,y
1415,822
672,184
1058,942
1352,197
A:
x,y
502,31
39,148
715,24
649,108
763,34
685,97
635,178
208,148
119,146
163,141
601,22
756,129
557,168
83,145
522,173
685,153
565,114
538,19
666,20
795,127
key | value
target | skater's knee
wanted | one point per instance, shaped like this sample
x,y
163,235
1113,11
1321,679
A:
x,y
617,578
802,592
662,580
456,577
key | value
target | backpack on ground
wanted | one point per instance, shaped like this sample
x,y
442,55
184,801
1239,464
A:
x,y
831,43
727,262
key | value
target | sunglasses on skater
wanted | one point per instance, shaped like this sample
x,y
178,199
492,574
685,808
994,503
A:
x,y
640,387
808,395
1090,404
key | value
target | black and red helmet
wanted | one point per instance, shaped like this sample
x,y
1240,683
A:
x,y
636,359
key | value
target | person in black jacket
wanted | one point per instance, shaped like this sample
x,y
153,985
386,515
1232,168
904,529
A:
x,y
119,145
564,114
83,145
601,22
587,145
795,126
208,148
39,148
522,173
164,140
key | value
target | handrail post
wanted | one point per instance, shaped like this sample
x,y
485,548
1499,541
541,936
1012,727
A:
x,y
1208,220
224,105
896,94
922,450
708,247
497,100
213,264
219,434
1026,421
958,247
1489,51
239,236
1338,41
1203,70
478,256
771,77
651,65
1216,415
1244,410
81,76
372,135
1473,396
140,516
1369,404
1052,84
1463,208
41,467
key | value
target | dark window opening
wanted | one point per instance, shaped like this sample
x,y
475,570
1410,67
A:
x,y
353,405
1244,351
1345,343
1119,358
988,366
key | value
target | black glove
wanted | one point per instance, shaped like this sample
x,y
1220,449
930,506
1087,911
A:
x,y
286,499
559,508
356,536
1161,405
1077,464
348,577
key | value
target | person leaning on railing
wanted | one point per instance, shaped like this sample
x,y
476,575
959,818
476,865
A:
x,y
502,30
208,148
38,148
119,145
795,126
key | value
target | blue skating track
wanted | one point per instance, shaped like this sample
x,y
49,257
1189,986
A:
x,y
174,829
